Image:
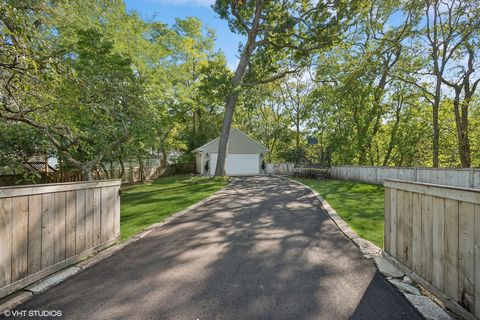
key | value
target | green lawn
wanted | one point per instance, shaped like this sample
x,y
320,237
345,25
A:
x,y
359,204
143,205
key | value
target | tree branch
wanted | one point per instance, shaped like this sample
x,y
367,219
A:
x,y
272,78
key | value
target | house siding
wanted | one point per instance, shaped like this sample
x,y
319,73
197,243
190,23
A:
x,y
238,143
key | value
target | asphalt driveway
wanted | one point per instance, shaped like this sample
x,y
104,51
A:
x,y
262,250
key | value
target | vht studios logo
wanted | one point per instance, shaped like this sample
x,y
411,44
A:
x,y
32,313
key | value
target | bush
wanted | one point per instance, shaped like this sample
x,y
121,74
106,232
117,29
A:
x,y
207,166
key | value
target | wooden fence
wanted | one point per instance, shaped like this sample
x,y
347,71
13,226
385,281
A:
x,y
44,228
280,168
459,177
135,174
131,175
434,231
467,178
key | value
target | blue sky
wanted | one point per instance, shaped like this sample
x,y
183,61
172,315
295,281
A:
x,y
167,10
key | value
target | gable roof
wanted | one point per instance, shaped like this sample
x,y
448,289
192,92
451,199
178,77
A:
x,y
238,142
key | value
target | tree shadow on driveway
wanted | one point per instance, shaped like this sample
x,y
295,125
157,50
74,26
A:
x,y
261,250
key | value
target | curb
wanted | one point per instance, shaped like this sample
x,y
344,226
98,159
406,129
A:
x,y
52,280
11,301
368,249
427,307
21,296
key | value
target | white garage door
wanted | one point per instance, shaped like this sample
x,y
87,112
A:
x,y
238,163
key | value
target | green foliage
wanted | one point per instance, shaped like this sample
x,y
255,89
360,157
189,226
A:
x,y
261,115
285,40
19,142
370,101
28,177
103,86
99,87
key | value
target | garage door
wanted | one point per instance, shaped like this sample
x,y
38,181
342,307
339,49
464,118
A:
x,y
238,164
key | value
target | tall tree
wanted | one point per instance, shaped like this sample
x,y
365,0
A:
x,y
294,95
449,25
262,115
64,75
357,78
275,31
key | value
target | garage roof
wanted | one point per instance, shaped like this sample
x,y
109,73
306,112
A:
x,y
239,142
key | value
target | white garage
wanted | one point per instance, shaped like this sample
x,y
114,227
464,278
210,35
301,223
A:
x,y
244,155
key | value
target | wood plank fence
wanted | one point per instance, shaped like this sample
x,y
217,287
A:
x,y
434,231
45,228
131,175
459,177
280,168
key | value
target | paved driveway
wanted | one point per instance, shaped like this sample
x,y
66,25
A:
x,y
262,250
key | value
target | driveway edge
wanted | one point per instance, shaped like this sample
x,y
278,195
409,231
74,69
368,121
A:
x,y
147,230
368,249
423,303
24,294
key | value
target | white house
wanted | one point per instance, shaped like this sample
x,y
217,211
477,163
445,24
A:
x,y
244,155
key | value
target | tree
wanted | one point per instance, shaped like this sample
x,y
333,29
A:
x,y
276,31
294,95
80,93
200,76
102,85
355,82
449,25
464,88
373,94
18,143
260,113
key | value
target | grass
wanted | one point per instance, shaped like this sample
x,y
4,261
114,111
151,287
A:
x,y
146,204
359,204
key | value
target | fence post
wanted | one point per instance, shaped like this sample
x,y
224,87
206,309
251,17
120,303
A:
x,y
472,175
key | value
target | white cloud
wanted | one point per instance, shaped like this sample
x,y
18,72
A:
x,y
201,3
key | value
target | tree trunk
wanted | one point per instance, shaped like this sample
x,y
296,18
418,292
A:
x,y
163,162
112,170
105,171
436,127
141,167
122,168
297,138
87,174
361,144
391,142
362,158
438,69
461,122
232,102
194,116
225,134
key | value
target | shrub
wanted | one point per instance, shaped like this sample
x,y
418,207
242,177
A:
x,y
207,166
